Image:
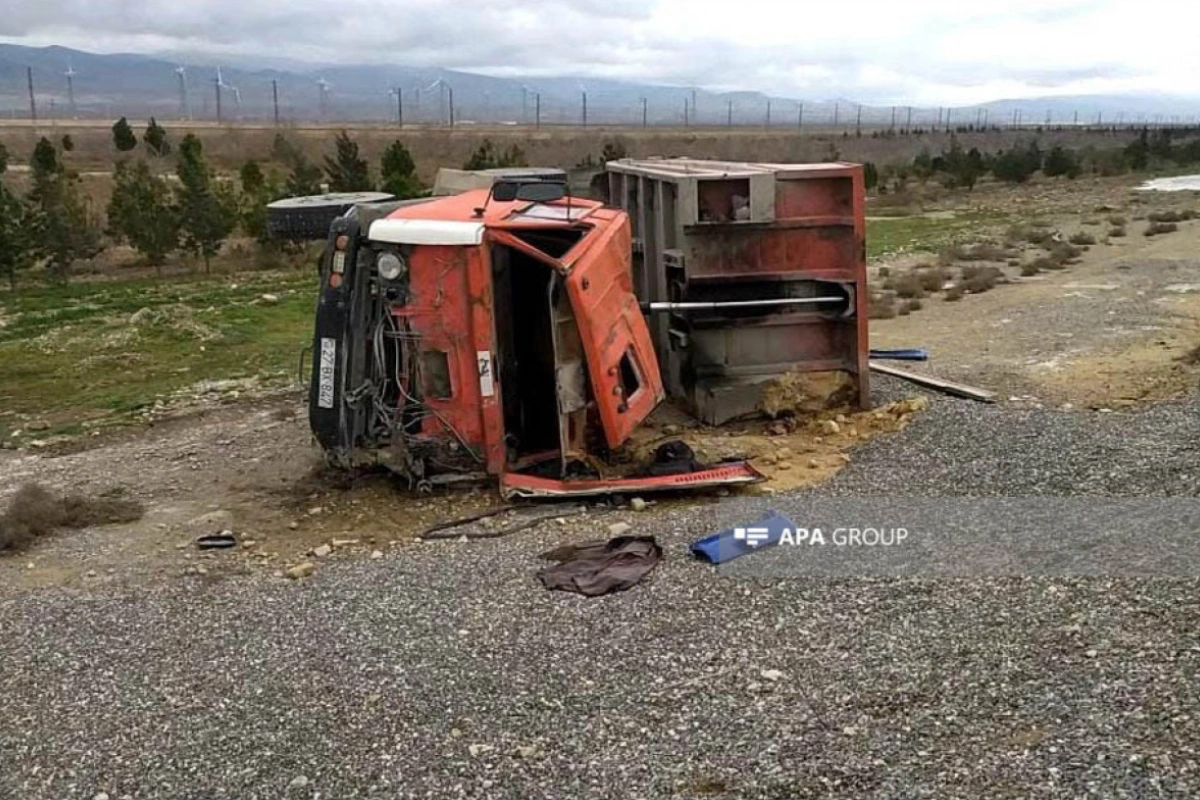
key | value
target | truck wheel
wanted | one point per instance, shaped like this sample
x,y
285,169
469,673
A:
x,y
308,218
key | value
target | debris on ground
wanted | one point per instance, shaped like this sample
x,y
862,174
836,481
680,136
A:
x,y
736,542
36,511
597,568
948,387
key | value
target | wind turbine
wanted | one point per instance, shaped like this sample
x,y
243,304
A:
x,y
398,93
237,95
70,75
185,106
440,84
323,87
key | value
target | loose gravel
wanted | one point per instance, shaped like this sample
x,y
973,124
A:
x,y
444,670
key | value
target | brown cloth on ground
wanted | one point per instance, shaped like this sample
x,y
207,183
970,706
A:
x,y
595,568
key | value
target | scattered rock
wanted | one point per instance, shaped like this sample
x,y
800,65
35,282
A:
x,y
38,426
312,512
344,542
376,555
771,675
141,316
619,528
525,751
269,299
479,749
322,551
783,466
783,453
456,733
298,782
301,570
830,427
637,504
293,526
670,430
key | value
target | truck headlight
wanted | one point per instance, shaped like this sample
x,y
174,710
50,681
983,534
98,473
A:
x,y
390,266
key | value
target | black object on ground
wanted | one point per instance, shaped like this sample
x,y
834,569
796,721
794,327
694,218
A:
x,y
596,568
217,541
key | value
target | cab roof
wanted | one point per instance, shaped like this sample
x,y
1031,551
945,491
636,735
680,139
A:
x,y
498,213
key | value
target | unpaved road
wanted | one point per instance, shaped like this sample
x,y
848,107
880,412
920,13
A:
x,y
445,670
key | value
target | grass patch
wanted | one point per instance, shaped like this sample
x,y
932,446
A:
x,y
1116,232
924,233
1082,238
87,350
35,511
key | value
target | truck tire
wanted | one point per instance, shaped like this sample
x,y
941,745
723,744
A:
x,y
300,219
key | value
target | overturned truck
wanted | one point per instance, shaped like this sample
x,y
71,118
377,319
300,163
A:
x,y
499,333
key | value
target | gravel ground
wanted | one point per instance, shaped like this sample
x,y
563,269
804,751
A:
x,y
444,670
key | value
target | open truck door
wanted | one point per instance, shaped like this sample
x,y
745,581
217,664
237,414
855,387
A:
x,y
626,381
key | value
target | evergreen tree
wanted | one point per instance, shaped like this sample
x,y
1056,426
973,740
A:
x,y
156,138
399,173
123,136
207,213
347,171
63,224
141,213
17,246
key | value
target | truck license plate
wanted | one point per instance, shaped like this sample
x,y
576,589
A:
x,y
325,379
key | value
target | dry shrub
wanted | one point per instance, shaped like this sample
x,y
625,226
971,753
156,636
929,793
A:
x,y
1117,232
933,279
1089,221
1014,262
1032,268
982,251
1155,228
1082,238
909,285
1117,221
882,306
1171,216
885,272
977,280
1032,234
1064,253
954,293
913,305
35,511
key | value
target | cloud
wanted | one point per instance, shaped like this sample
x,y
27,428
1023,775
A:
x,y
921,51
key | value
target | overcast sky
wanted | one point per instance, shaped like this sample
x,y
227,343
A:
x,y
926,52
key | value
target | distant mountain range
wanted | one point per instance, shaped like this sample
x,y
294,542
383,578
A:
x,y
112,85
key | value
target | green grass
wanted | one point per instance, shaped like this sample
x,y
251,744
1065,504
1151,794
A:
x,y
893,235
70,354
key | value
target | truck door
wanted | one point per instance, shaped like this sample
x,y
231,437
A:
x,y
624,371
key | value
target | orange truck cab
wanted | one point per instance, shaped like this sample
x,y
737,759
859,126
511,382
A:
x,y
489,333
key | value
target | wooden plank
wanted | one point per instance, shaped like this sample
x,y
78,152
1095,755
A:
x,y
949,387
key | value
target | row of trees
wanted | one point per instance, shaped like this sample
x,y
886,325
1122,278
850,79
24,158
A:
x,y
955,167
53,224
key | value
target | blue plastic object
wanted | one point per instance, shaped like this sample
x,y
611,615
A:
x,y
901,354
736,542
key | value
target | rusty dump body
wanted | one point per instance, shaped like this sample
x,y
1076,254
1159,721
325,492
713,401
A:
x,y
472,336
721,247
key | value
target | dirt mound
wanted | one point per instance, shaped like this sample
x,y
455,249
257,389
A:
x,y
35,511
807,393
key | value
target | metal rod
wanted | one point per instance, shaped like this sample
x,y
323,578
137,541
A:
x,y
704,306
